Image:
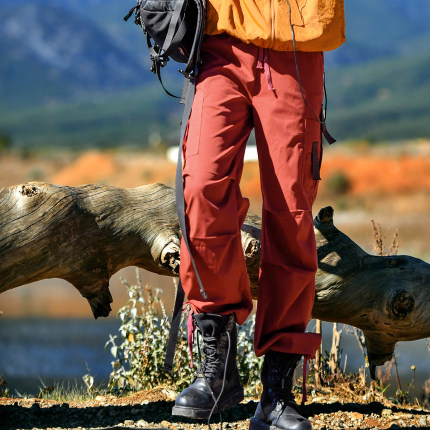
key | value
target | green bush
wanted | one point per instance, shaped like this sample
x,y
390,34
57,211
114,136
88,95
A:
x,y
139,350
5,142
338,183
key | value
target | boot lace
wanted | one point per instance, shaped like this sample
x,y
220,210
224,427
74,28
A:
x,y
216,400
210,365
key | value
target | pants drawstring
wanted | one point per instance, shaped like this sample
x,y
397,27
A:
x,y
304,394
263,63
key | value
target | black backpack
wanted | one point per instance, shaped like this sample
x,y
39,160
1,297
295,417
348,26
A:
x,y
176,27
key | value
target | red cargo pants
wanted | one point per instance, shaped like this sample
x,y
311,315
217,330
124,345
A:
x,y
241,87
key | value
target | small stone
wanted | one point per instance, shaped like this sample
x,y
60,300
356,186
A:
x,y
318,399
386,412
165,424
357,416
142,423
402,423
409,416
423,422
170,393
128,422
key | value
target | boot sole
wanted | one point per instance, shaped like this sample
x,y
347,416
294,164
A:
x,y
199,413
255,424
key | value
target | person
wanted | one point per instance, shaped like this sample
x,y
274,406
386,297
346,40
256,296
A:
x,y
262,68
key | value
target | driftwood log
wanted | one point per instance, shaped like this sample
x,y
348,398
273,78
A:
x,y
86,234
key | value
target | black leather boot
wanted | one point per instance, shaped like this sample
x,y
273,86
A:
x,y
216,384
277,408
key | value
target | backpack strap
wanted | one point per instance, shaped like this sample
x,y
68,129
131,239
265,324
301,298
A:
x,y
179,6
187,98
159,60
174,329
189,90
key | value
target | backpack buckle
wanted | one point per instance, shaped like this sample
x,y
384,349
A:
x,y
188,75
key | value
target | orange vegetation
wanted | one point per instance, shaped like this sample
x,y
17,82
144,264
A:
x,y
91,167
367,174
381,175
123,170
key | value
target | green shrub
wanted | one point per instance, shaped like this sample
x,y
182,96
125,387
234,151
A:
x,y
5,142
338,183
4,390
139,350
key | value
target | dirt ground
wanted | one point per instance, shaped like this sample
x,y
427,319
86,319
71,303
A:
x,y
338,407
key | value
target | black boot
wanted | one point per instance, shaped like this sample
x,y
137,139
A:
x,y
217,380
277,408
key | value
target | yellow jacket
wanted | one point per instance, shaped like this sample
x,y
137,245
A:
x,y
319,25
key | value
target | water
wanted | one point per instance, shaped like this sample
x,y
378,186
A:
x,y
39,350
36,352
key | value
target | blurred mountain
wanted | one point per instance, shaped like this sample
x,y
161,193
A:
x,y
52,54
381,100
74,73
383,29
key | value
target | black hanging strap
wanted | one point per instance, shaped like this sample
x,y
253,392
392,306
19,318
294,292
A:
x,y
328,137
179,185
187,98
174,329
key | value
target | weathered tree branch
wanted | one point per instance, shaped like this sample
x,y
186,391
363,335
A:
x,y
86,234
83,235
388,297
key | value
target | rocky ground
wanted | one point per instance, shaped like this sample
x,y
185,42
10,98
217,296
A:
x,y
339,408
